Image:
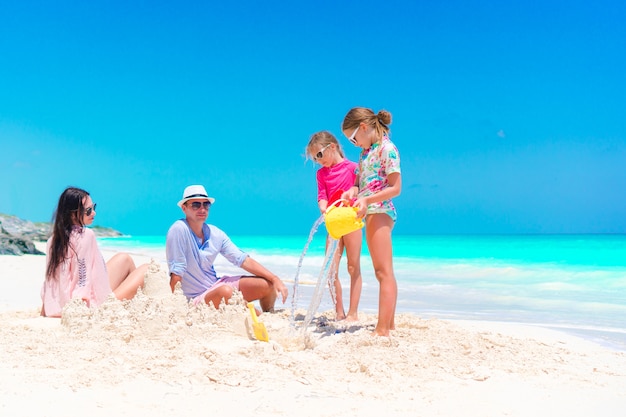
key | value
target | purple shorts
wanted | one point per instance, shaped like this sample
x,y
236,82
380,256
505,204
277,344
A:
x,y
232,281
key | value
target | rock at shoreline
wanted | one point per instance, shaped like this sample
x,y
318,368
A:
x,y
11,245
105,232
17,236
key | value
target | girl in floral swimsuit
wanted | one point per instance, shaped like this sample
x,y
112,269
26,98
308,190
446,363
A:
x,y
379,180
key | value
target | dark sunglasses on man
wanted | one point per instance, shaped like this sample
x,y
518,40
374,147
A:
x,y
197,204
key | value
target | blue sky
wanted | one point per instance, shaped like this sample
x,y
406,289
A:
x,y
510,117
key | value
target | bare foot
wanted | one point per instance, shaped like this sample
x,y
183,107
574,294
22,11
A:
x,y
382,333
352,317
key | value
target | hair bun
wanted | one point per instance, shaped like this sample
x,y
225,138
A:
x,y
384,117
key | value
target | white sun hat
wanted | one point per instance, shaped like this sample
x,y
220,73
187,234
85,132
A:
x,y
194,192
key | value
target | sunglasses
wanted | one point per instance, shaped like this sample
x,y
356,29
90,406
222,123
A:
x,y
320,154
197,204
89,210
352,137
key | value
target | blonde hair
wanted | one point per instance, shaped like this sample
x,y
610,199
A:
x,y
357,115
322,138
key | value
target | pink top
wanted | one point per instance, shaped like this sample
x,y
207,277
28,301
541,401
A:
x,y
82,275
338,177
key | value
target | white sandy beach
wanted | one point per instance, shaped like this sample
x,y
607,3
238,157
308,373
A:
x,y
156,356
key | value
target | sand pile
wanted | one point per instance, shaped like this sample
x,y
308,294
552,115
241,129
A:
x,y
158,354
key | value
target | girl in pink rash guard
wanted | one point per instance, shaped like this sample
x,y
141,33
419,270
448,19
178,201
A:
x,y
338,174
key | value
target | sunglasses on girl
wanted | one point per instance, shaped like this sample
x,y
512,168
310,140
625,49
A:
x,y
352,137
320,154
89,210
197,204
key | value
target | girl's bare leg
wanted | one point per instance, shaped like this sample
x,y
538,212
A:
x,y
353,242
340,312
378,235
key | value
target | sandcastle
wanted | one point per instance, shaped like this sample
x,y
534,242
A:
x,y
156,282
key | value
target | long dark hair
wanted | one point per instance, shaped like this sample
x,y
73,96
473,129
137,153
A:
x,y
70,210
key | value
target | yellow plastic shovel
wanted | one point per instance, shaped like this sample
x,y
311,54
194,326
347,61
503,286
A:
x,y
260,332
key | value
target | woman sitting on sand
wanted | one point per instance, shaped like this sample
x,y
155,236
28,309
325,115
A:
x,y
75,267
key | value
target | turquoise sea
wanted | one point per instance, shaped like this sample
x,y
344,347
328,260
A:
x,y
575,283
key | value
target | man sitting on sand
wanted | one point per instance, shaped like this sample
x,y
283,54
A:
x,y
191,249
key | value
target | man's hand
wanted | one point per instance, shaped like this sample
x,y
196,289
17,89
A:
x,y
281,290
174,279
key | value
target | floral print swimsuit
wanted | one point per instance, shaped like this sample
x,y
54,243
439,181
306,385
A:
x,y
376,163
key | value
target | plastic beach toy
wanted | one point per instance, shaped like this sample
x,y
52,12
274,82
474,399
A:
x,y
341,219
260,332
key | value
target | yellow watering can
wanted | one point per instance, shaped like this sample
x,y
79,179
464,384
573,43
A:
x,y
341,220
